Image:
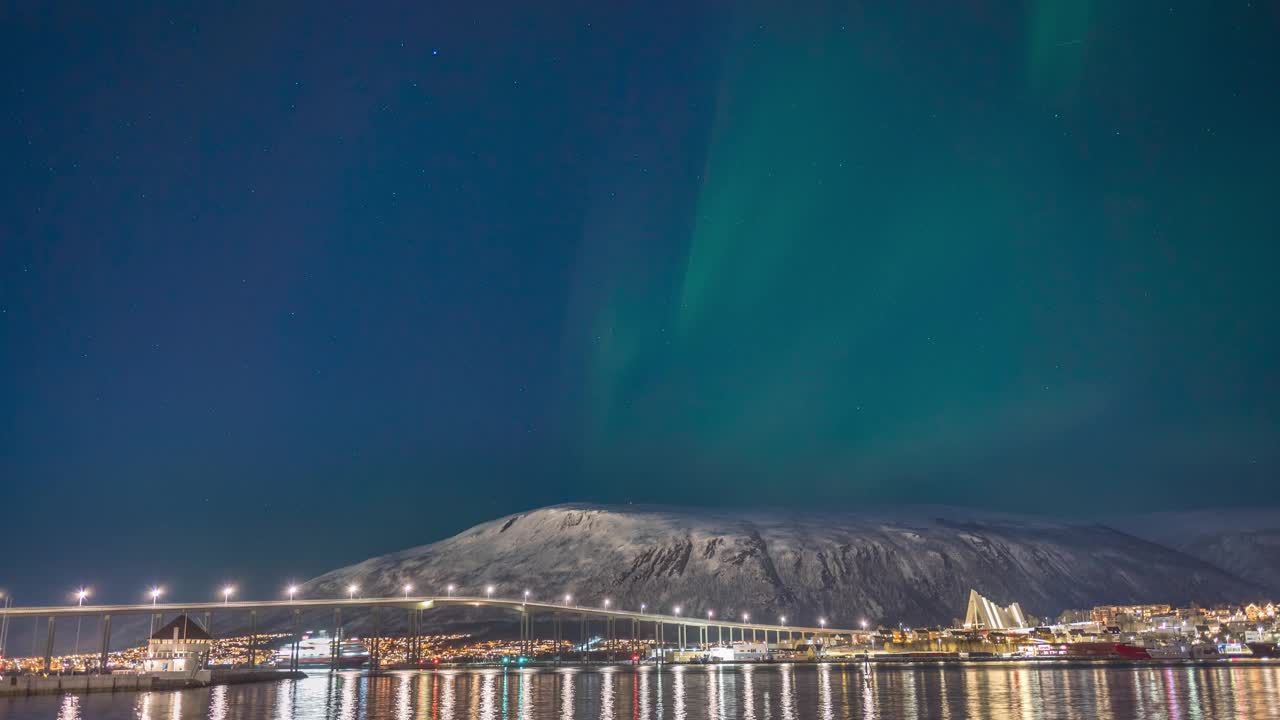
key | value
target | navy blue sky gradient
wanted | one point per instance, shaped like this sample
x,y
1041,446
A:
x,y
299,284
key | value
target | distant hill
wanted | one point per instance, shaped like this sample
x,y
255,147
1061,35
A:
x,y
914,566
1244,542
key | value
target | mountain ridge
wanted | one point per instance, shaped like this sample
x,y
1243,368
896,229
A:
x,y
908,564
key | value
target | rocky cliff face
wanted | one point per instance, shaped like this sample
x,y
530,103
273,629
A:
x,y
914,566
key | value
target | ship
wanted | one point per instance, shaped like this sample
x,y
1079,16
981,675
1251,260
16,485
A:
x,y
317,651
1264,649
1105,651
1169,652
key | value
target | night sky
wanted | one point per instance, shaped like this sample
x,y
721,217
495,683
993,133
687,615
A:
x,y
282,287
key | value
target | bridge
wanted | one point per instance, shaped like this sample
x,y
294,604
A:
x,y
415,607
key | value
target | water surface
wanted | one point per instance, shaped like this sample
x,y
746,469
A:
x,y
715,692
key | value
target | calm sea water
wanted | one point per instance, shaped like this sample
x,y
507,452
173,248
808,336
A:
x,y
772,692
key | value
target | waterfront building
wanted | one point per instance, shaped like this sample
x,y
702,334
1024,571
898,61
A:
x,y
179,649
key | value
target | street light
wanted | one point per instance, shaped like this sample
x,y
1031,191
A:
x,y
156,592
642,607
568,598
677,611
352,590
526,596
822,622
488,591
408,588
783,620
226,594
606,603
449,591
80,596
293,590
710,614
746,617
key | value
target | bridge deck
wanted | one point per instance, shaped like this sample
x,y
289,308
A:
x,y
408,603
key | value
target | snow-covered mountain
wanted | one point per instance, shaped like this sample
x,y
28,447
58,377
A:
x,y
1242,541
1252,554
914,566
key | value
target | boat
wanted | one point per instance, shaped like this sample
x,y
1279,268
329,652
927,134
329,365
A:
x,y
1106,650
1264,649
317,651
1169,652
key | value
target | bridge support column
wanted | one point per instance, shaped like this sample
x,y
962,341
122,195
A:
x,y
4,626
253,638
528,635
417,637
335,647
48,647
375,662
558,625
106,643
409,635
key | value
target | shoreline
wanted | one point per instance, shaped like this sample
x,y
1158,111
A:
x,y
26,685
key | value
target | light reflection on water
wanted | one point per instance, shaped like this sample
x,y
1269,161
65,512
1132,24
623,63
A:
x,y
718,692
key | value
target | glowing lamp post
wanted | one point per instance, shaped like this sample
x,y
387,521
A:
x,y
351,591
408,588
227,592
449,590
488,591
293,590
80,596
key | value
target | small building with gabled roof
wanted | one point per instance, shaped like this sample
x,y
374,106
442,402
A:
x,y
179,648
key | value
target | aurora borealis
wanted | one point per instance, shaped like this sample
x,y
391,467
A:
x,y
435,264
929,273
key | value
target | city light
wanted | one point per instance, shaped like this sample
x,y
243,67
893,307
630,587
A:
x,y
822,622
352,590
293,590
745,617
863,623
710,614
642,607
449,590
606,602
156,592
782,620
677,611
226,594
488,591
568,598
408,588
526,596
81,594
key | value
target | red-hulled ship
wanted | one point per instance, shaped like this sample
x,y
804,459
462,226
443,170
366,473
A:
x,y
1106,650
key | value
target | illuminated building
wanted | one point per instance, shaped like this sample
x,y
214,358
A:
x,y
983,613
180,648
